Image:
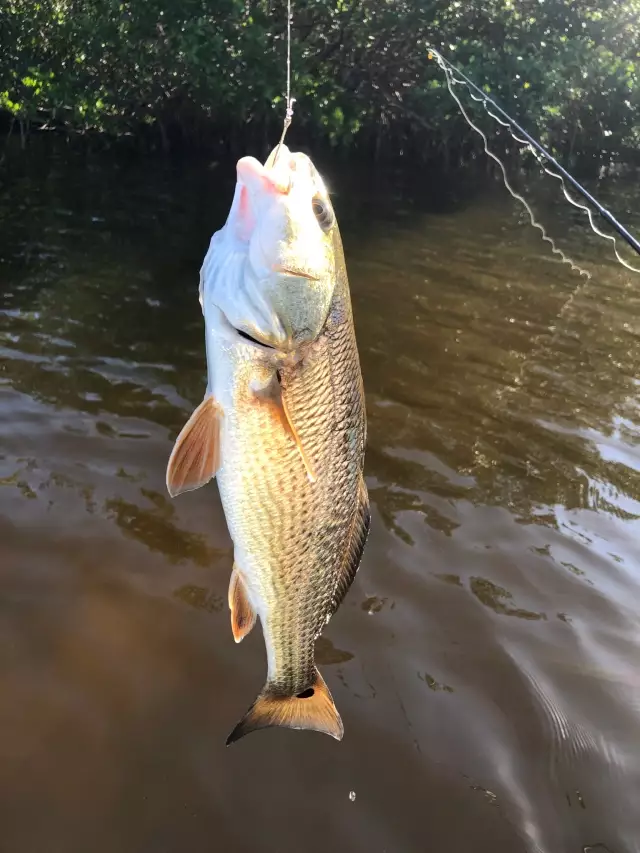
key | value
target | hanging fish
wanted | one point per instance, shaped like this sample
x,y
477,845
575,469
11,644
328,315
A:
x,y
282,426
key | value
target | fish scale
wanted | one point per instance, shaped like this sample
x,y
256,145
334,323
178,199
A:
x,y
300,551
288,421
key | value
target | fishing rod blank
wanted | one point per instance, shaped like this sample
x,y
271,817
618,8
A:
x,y
622,231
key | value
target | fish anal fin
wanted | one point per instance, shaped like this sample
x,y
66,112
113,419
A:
x,y
273,397
313,709
354,551
243,616
195,457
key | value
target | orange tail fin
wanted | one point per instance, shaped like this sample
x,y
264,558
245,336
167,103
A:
x,y
313,709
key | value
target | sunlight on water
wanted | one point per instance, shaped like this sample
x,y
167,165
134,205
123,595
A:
x,y
485,660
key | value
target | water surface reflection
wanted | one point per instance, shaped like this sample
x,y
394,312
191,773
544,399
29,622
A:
x,y
485,660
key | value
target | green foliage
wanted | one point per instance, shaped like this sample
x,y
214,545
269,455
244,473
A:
x,y
569,68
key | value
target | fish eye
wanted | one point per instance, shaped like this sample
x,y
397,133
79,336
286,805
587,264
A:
x,y
323,213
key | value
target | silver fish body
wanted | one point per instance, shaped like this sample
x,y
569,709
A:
x,y
291,443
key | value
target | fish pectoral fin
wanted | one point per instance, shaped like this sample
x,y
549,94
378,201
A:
x,y
243,616
271,395
313,709
294,435
195,457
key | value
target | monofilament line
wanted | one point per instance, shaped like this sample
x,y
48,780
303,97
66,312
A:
x,y
289,100
451,81
539,151
548,171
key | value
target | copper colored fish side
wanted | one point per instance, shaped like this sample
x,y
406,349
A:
x,y
282,427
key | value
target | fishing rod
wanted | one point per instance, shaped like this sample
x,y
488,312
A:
x,y
622,231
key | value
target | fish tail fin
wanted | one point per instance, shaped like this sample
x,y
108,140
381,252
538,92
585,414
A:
x,y
313,709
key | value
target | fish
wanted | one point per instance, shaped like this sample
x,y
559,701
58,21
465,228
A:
x,y
282,428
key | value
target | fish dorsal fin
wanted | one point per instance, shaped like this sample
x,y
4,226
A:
x,y
195,457
355,547
313,709
243,616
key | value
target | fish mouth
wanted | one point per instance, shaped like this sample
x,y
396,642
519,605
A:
x,y
294,273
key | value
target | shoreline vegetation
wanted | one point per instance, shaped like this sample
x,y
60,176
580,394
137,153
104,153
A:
x,y
196,75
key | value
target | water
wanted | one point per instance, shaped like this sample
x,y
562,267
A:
x,y
485,662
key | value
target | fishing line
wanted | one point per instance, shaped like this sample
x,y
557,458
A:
x,y
548,171
450,79
289,100
453,75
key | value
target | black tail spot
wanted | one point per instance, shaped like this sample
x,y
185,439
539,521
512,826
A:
x,y
306,694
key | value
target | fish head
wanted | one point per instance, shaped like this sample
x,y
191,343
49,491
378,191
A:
x,y
277,282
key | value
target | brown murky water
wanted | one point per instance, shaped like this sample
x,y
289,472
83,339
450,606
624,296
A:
x,y
485,662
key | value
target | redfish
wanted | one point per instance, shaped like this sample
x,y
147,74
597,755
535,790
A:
x,y
282,427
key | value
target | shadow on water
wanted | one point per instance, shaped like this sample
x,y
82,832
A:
x,y
484,661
